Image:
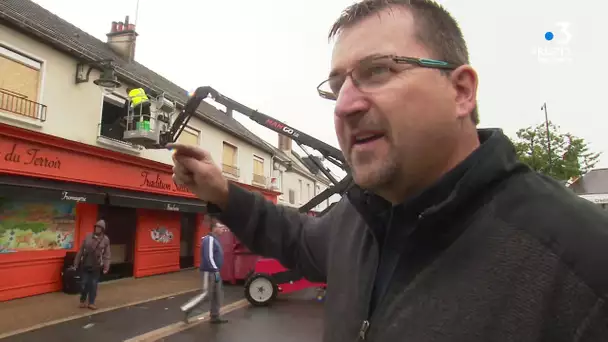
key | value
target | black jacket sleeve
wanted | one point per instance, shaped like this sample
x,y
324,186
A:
x,y
300,242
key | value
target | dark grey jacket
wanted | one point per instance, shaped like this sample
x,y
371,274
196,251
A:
x,y
492,252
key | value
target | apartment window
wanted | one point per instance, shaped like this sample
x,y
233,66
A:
x,y
229,159
317,190
189,136
301,191
280,181
292,196
20,84
258,170
308,191
113,112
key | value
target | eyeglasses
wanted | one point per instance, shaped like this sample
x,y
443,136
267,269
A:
x,y
373,72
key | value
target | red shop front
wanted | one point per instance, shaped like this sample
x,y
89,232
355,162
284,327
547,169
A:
x,y
53,190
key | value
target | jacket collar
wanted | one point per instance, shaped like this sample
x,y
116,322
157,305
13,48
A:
x,y
492,161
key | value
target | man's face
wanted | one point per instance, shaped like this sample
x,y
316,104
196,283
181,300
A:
x,y
413,115
219,229
98,229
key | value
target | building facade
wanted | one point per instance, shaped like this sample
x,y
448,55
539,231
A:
x,y
593,186
64,163
297,178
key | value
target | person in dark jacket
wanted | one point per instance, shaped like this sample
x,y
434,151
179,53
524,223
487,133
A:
x,y
444,236
92,258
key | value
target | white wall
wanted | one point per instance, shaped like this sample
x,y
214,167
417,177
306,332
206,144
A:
x,y
291,180
74,110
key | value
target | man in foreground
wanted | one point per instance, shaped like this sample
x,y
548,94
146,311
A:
x,y
445,236
92,258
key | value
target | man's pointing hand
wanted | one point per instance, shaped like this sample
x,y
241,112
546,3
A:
x,y
195,169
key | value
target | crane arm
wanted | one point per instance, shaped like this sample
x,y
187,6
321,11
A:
x,y
330,153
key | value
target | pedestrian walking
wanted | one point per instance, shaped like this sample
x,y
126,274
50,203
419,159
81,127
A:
x,y
445,236
92,258
212,259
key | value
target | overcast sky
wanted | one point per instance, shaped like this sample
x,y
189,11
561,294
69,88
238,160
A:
x,y
270,55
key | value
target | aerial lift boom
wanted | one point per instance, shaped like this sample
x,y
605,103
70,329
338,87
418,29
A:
x,y
166,134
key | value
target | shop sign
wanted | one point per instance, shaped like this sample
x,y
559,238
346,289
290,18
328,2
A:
x,y
65,196
51,162
596,198
156,181
172,207
34,157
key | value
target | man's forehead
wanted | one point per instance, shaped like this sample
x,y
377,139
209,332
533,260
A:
x,y
387,32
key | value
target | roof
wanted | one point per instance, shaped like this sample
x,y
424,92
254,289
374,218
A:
x,y
593,182
33,20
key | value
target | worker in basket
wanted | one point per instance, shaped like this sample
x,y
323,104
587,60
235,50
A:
x,y
140,105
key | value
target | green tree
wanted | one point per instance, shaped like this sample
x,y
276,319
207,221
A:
x,y
570,155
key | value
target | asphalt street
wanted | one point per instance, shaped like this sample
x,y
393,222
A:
x,y
120,324
294,318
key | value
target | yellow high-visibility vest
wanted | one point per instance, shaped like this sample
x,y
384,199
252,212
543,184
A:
x,y
137,96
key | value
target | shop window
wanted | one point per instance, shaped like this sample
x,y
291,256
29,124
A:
x,y
189,136
20,85
29,225
229,159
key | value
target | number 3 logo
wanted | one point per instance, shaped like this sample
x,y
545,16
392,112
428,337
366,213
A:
x,y
565,29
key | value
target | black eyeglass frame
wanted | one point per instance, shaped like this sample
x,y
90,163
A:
x,y
421,62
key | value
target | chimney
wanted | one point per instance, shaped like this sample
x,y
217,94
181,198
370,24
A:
x,y
284,143
122,39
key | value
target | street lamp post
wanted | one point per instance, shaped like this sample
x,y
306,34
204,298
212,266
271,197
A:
x,y
544,107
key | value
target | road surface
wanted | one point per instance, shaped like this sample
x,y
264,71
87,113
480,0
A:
x,y
294,318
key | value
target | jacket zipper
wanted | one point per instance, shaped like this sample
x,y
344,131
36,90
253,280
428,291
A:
x,y
366,324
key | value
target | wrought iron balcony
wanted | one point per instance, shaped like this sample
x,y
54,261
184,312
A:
x,y
231,170
18,104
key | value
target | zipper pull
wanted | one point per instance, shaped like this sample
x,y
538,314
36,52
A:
x,y
363,330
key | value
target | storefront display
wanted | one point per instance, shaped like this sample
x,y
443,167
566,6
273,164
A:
x,y
51,192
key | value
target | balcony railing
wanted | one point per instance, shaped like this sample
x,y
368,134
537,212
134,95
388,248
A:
x,y
259,179
231,170
18,104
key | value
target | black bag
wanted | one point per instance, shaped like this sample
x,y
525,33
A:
x,y
71,281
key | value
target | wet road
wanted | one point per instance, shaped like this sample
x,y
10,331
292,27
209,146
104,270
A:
x,y
120,324
297,318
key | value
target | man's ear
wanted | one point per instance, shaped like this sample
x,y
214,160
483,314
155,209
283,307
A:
x,y
465,81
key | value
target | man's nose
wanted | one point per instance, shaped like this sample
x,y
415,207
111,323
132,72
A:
x,y
350,100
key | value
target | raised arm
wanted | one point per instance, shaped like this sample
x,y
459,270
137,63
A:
x,y
300,242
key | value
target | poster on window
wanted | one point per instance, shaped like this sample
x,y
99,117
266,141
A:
x,y
32,225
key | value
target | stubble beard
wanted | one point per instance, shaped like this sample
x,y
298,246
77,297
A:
x,y
373,173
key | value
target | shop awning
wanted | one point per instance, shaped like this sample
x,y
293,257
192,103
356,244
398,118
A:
x,y
30,188
145,200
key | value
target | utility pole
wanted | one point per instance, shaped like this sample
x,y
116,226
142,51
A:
x,y
544,107
136,13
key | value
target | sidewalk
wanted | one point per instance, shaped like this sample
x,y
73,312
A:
x,y
21,315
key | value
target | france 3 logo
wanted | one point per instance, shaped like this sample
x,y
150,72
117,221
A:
x,y
556,47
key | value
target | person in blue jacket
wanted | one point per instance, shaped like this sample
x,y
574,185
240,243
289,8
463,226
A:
x,y
212,258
